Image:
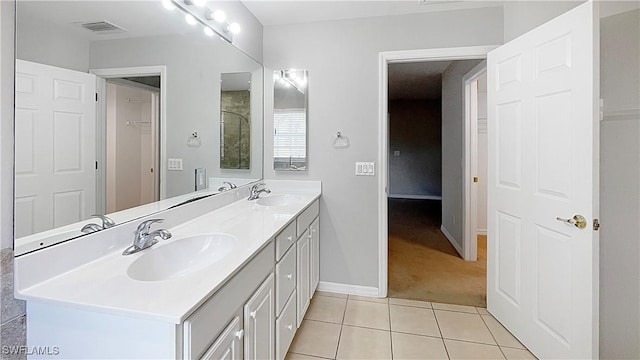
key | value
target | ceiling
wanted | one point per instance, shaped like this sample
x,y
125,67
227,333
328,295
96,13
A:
x,y
138,18
279,12
416,81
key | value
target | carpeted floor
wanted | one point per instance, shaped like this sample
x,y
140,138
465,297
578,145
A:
x,y
423,265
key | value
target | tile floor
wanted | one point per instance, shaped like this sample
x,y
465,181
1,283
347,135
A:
x,y
338,326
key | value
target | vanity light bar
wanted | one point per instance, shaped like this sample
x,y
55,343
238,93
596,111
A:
x,y
213,21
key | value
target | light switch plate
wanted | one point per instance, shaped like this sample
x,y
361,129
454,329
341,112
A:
x,y
396,153
365,168
174,164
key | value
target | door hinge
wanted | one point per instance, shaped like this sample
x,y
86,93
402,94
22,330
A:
x,y
96,165
596,225
96,96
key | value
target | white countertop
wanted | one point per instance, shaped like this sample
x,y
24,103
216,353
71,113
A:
x,y
103,284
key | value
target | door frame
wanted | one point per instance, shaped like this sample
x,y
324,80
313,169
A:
x,y
384,59
470,169
101,125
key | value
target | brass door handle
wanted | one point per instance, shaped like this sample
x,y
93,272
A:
x,y
577,220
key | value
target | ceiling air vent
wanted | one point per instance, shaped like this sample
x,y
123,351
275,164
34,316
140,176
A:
x,y
102,27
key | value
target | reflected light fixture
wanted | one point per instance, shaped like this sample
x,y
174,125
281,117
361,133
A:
x,y
219,16
208,31
200,3
168,4
190,19
234,28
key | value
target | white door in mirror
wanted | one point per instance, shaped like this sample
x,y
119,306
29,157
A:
x,y
55,159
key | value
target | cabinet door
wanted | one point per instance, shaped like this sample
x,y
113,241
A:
x,y
304,280
315,255
259,320
228,346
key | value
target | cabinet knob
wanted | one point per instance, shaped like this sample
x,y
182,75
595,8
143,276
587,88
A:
x,y
290,327
290,276
240,334
253,314
289,238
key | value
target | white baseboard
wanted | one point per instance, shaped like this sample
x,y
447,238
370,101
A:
x,y
417,197
481,232
348,289
451,239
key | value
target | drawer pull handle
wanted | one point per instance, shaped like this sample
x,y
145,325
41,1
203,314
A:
x,y
289,238
290,276
253,314
240,334
290,327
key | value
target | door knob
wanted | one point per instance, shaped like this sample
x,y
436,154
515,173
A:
x,y
577,220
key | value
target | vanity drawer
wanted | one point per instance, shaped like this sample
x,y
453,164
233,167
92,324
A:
x,y
285,239
285,279
286,328
306,218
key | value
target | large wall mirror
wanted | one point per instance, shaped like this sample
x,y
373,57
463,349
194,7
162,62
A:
x,y
290,98
117,104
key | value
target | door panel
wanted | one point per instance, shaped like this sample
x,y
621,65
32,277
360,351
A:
x,y
542,274
55,147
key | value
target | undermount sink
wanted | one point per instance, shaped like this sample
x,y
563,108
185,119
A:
x,y
181,257
278,200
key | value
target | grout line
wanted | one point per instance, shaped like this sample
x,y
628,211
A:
x,y
344,313
471,342
491,332
315,356
440,331
390,329
408,333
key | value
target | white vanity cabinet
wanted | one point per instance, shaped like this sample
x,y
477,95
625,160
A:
x,y
229,344
258,323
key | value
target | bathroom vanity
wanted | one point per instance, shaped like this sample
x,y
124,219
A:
x,y
234,281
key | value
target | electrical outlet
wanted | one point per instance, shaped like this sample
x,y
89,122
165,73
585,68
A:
x,y
396,153
201,179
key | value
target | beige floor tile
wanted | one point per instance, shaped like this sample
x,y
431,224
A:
x,y
406,302
316,338
361,343
467,350
463,326
517,354
324,308
452,307
330,294
294,356
413,320
407,346
367,314
482,311
369,299
503,336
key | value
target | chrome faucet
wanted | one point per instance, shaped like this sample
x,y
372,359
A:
x,y
225,188
144,239
91,227
258,189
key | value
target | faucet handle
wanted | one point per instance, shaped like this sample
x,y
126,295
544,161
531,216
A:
x,y
106,221
144,226
231,185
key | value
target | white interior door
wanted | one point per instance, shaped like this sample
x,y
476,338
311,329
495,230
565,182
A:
x,y
543,163
54,147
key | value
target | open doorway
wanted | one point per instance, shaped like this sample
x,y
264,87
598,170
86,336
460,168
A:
x,y
132,102
132,150
428,103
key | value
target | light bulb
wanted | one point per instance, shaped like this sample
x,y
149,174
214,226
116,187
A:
x,y
168,4
208,31
199,2
190,19
234,28
219,16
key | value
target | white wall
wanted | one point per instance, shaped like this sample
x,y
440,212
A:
x,y
522,16
620,187
45,43
6,123
453,146
342,59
